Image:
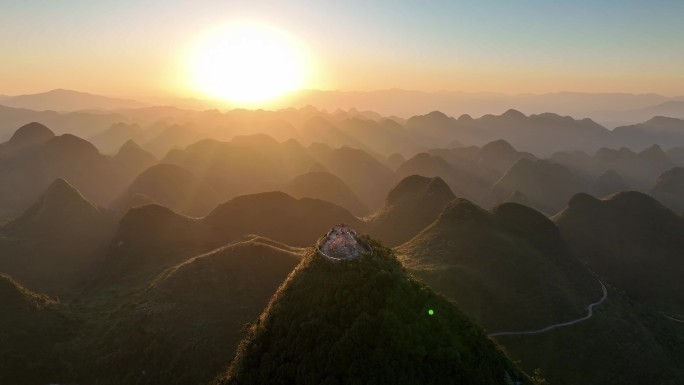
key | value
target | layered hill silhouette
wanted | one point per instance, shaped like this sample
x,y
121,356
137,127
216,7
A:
x,y
130,160
410,206
638,169
366,175
111,139
277,216
68,100
509,268
547,185
488,162
367,321
385,136
633,241
152,238
60,210
676,154
608,183
320,129
327,187
255,163
669,189
658,129
57,242
464,181
174,187
499,155
243,164
539,134
34,157
171,136
26,136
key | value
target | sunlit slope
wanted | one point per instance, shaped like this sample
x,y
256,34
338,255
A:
x,y
364,321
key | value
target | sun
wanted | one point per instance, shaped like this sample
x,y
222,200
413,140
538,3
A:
x,y
247,63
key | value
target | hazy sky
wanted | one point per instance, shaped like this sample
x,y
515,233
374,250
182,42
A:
x,y
141,47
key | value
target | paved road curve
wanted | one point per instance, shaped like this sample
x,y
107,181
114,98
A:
x,y
590,313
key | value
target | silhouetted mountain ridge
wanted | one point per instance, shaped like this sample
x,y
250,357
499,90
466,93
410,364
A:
x,y
410,206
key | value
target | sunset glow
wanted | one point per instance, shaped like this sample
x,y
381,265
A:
x,y
246,63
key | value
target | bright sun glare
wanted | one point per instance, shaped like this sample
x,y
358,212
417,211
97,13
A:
x,y
247,63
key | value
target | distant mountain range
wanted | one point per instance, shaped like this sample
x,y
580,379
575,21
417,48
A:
x,y
159,129
62,100
611,108
141,246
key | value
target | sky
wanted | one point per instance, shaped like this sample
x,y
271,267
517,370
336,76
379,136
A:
x,y
142,47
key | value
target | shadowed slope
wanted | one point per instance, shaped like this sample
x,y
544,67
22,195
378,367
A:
x,y
410,206
501,265
152,238
463,181
174,187
325,186
34,157
28,135
32,324
278,216
547,185
669,189
364,174
633,241
57,241
181,327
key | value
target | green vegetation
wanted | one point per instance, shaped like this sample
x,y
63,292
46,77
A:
x,y
31,328
509,268
623,344
184,326
364,321
53,246
633,241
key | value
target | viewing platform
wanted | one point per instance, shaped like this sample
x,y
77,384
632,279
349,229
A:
x,y
342,243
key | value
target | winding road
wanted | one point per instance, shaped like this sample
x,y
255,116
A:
x,y
590,313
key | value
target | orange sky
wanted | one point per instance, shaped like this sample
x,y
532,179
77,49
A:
x,y
142,49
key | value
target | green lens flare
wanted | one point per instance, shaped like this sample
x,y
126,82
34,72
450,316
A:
x,y
431,312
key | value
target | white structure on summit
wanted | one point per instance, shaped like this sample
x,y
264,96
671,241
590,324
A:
x,y
342,243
